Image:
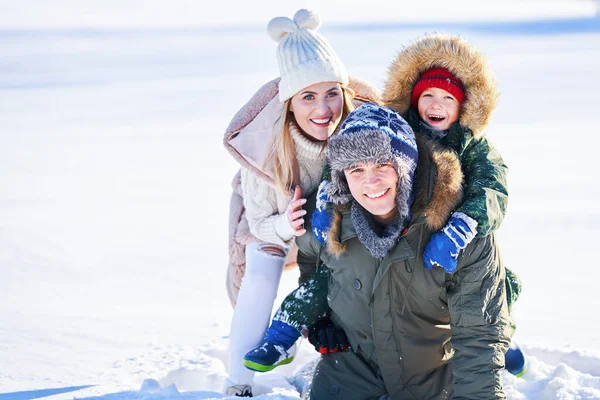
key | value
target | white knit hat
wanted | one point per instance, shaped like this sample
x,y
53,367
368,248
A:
x,y
304,56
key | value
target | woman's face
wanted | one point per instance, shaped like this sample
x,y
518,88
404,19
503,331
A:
x,y
318,109
374,186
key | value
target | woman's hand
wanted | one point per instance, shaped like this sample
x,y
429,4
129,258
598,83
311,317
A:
x,y
295,213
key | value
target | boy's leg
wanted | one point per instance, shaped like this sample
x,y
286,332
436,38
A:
x,y
301,308
515,360
307,304
253,309
513,288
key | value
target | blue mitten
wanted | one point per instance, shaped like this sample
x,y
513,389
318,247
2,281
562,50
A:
x,y
444,245
320,219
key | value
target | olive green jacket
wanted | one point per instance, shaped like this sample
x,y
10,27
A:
x,y
407,322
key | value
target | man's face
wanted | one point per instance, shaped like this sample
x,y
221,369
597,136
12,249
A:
x,y
374,186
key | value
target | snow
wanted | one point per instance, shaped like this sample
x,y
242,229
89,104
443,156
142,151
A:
x,y
114,190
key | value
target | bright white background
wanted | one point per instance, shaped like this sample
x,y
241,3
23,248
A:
x,y
195,13
114,184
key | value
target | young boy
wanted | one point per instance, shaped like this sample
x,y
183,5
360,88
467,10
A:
x,y
446,91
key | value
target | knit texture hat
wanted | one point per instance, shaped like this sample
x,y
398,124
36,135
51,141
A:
x,y
439,78
372,134
304,56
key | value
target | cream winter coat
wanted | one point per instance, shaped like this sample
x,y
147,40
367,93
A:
x,y
247,138
266,206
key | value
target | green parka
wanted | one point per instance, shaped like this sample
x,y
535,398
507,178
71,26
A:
x,y
485,187
415,333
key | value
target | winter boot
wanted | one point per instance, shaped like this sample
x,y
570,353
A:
x,y
277,348
515,360
239,391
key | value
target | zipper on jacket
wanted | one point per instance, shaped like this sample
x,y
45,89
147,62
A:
x,y
379,261
319,262
407,267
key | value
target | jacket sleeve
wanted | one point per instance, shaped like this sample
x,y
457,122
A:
x,y
264,220
308,303
479,321
485,192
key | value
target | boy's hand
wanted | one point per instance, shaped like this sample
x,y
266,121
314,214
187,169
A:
x,y
444,245
326,338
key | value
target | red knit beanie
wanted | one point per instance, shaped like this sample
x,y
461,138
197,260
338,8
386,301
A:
x,y
439,78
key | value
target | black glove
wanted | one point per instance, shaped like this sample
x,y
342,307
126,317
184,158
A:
x,y
326,338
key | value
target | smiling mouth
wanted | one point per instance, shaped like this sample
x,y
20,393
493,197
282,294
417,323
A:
x,y
377,195
436,118
321,121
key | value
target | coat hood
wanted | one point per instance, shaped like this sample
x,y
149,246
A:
x,y
438,188
462,59
249,133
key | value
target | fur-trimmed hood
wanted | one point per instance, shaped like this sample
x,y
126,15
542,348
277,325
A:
x,y
438,166
249,133
458,56
441,167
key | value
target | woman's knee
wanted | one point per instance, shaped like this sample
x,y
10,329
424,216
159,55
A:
x,y
264,262
261,255
267,250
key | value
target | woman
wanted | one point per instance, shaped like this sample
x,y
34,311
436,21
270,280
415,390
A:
x,y
280,143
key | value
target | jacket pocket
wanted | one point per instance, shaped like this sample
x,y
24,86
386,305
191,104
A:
x,y
334,291
439,303
467,306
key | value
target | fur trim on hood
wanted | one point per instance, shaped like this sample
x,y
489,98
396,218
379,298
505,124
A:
x,y
462,59
435,204
447,191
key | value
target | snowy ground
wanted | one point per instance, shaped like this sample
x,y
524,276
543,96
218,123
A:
x,y
114,191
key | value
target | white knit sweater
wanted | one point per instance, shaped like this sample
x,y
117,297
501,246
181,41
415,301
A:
x,y
265,205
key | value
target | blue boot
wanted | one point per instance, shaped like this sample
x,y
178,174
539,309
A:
x,y
277,348
515,361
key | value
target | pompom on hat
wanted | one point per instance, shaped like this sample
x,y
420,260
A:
x,y
439,78
304,56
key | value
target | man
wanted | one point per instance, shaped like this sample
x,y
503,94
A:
x,y
414,333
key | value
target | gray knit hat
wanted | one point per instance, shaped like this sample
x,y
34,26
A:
x,y
373,134
304,56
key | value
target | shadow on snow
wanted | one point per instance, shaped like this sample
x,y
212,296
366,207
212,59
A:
x,y
38,394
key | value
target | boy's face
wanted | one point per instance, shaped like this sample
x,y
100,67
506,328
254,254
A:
x,y
374,186
438,108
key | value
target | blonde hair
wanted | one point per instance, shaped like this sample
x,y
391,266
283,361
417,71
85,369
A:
x,y
282,150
